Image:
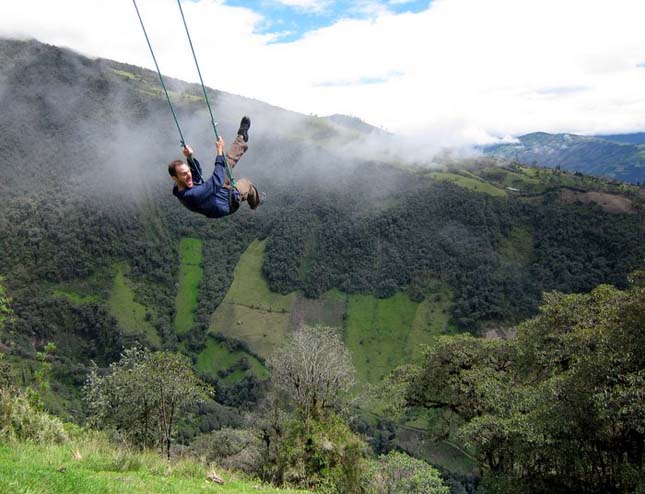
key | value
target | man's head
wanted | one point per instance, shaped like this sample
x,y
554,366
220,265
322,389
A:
x,y
180,173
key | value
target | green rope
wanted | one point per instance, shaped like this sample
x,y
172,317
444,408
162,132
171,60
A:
x,y
229,172
163,85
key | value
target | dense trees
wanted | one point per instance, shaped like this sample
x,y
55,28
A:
x,y
557,409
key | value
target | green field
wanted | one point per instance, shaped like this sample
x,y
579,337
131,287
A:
x,y
105,469
382,334
517,179
216,357
130,314
250,311
471,183
190,276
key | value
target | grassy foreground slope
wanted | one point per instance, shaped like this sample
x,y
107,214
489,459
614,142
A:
x,y
104,469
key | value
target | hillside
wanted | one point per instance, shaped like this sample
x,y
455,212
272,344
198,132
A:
x,y
99,256
615,157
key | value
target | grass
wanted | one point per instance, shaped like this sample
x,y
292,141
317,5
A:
x,y
470,183
105,469
190,276
517,179
216,357
250,311
130,314
75,298
382,334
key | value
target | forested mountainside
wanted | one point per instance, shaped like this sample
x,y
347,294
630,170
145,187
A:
x,y
620,157
85,143
97,253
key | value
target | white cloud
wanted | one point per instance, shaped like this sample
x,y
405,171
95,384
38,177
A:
x,y
466,70
312,5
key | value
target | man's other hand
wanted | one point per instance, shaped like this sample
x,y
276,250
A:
x,y
220,146
188,151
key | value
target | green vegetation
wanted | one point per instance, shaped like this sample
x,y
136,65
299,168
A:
x,y
589,155
470,183
250,311
96,467
229,366
126,74
382,334
190,277
132,316
563,395
518,246
76,298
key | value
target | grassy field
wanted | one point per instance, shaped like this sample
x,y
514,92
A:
x,y
250,311
130,314
471,183
382,334
518,179
103,469
190,276
216,357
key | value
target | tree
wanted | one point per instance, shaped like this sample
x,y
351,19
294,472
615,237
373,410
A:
x,y
558,409
312,368
5,307
398,473
143,394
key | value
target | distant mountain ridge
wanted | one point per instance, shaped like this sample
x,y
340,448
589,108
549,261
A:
x,y
620,157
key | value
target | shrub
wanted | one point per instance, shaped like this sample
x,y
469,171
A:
x,y
398,473
322,454
20,421
236,449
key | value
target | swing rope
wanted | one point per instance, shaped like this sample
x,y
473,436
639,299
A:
x,y
163,84
229,172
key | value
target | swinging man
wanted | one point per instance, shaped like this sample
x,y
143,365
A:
x,y
217,196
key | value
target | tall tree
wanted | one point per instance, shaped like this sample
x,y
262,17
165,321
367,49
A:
x,y
313,368
143,394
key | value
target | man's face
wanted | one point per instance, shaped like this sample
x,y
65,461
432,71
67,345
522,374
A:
x,y
184,178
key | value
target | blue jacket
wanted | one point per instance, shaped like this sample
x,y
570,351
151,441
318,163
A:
x,y
209,197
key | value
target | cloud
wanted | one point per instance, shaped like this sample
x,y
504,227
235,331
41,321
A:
x,y
311,5
466,69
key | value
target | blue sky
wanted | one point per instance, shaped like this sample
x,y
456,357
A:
x,y
290,20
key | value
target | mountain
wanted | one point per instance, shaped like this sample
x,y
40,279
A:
x,y
615,157
633,138
354,123
99,256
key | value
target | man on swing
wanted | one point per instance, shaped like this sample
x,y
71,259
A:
x,y
215,197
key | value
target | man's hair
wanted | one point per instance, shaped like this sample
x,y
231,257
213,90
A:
x,y
172,167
